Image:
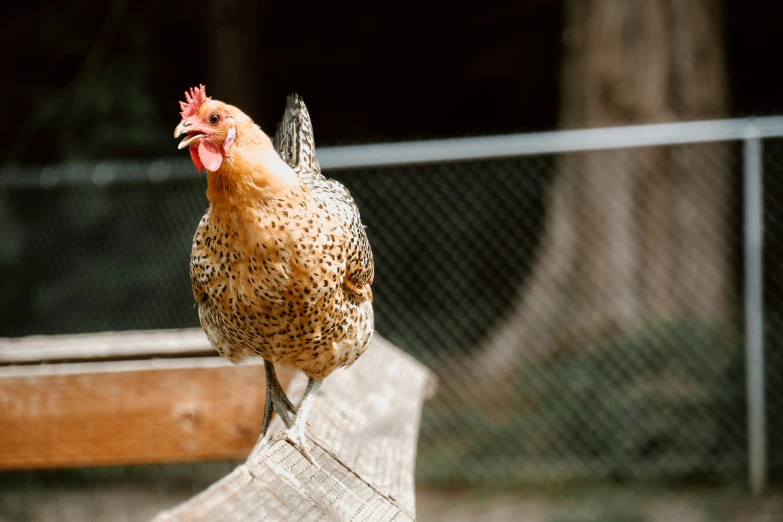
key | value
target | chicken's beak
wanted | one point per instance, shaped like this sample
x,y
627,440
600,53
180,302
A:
x,y
183,128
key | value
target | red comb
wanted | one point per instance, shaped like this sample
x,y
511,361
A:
x,y
195,98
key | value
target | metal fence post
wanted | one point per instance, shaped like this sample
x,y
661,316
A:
x,y
754,309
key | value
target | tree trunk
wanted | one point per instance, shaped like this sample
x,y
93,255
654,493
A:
x,y
633,236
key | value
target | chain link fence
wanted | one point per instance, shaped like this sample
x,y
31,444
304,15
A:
x,y
773,302
645,381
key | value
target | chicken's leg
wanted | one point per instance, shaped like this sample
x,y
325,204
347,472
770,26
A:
x,y
276,400
295,434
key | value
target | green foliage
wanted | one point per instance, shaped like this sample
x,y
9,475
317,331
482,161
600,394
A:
x,y
662,403
615,516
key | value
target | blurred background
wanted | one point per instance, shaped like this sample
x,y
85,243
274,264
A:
x,y
584,311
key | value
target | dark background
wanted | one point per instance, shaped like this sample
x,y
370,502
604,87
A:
x,y
92,80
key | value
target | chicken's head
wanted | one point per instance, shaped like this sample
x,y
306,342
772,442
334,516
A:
x,y
210,127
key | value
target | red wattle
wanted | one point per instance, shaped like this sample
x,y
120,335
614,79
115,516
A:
x,y
210,156
196,159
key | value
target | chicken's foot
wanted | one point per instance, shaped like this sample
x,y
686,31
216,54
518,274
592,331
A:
x,y
295,434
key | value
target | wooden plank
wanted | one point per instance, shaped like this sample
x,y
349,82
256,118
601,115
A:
x,y
364,431
105,346
127,412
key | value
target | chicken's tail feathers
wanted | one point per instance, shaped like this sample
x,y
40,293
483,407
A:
x,y
294,139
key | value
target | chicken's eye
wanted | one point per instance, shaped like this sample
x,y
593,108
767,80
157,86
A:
x,y
214,119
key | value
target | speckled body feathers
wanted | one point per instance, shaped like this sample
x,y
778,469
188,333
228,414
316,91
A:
x,y
287,278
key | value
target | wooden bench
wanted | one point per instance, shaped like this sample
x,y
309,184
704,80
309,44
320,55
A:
x,y
96,401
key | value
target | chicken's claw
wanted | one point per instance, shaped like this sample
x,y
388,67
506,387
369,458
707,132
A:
x,y
295,436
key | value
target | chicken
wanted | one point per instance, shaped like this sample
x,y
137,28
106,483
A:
x,y
281,266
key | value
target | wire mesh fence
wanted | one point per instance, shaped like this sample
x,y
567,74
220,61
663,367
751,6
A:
x,y
583,310
773,302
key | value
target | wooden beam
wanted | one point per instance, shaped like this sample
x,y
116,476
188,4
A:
x,y
129,412
363,434
140,344
363,429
